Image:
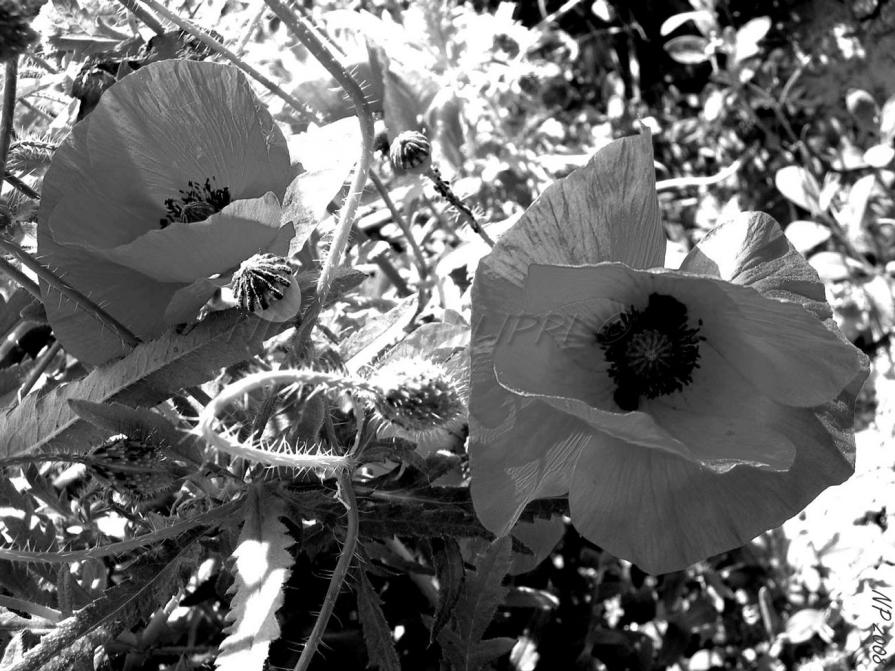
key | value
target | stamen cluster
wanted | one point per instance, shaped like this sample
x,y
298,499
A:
x,y
196,203
651,352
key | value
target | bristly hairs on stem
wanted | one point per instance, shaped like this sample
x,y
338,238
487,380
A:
x,y
232,392
153,23
305,112
307,36
445,191
299,27
7,110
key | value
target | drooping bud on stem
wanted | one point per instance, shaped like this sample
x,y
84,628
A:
x,y
410,153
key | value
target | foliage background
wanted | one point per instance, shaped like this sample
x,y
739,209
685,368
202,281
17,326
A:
x,y
782,106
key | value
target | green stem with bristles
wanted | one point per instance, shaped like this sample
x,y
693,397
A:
x,y
307,36
302,109
7,111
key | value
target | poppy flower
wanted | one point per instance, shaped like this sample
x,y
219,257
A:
x,y
174,179
682,412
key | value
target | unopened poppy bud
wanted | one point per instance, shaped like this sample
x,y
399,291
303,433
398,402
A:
x,y
266,285
417,395
410,153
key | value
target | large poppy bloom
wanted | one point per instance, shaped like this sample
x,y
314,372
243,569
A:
x,y
682,412
176,177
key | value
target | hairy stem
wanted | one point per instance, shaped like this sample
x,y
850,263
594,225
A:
x,y
303,110
70,292
307,36
7,111
445,191
348,499
236,390
153,23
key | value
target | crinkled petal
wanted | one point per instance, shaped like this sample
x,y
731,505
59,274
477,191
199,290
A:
x,y
137,301
784,350
530,456
663,513
157,129
604,211
185,252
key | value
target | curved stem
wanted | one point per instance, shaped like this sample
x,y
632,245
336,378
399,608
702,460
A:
x,y
303,110
70,292
306,35
10,75
264,379
349,500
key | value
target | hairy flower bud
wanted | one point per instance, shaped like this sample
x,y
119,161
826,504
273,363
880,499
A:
x,y
266,285
410,153
417,396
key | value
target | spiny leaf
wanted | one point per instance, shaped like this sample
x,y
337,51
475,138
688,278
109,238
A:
x,y
448,564
137,423
152,581
377,633
482,593
148,375
262,567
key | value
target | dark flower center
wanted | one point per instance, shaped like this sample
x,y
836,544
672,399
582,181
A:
x,y
651,352
196,203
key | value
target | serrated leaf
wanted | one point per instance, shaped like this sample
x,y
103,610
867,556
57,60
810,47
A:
x,y
263,565
377,633
135,423
146,376
448,563
482,593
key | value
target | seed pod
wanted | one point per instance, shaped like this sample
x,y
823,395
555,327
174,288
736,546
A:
x,y
266,285
410,153
417,396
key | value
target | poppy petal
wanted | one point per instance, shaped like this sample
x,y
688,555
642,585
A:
x,y
135,300
185,252
759,336
510,473
751,249
169,123
605,210
663,513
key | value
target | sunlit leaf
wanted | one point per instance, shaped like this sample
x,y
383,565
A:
x,y
688,49
799,186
